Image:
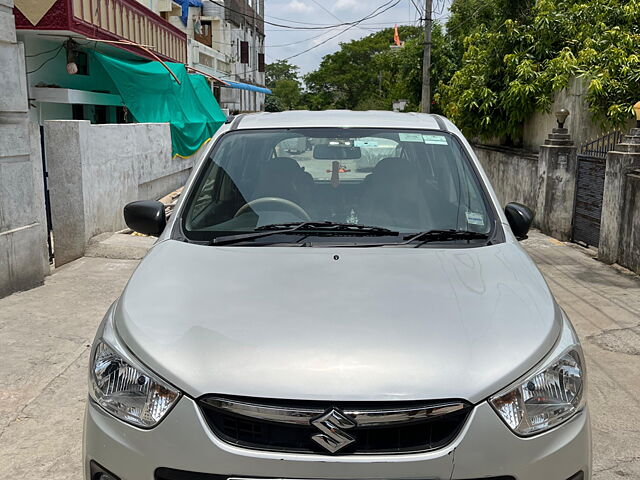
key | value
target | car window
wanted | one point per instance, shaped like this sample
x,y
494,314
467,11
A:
x,y
406,181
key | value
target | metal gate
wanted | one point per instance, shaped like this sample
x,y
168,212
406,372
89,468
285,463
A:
x,y
592,162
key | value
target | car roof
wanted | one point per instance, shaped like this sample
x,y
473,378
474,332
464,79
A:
x,y
341,118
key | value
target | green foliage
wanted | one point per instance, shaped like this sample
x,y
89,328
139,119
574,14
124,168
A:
x,y
288,93
368,74
515,60
283,80
280,70
272,104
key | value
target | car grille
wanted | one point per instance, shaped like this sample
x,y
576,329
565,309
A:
x,y
351,428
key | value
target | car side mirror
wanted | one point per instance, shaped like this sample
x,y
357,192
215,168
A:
x,y
520,218
146,216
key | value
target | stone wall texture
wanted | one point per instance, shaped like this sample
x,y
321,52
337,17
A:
x,y
23,230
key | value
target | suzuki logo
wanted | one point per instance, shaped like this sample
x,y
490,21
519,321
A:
x,y
332,424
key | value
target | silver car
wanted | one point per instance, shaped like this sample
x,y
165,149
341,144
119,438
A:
x,y
357,309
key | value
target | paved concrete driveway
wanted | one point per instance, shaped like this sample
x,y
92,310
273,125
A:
x,y
45,335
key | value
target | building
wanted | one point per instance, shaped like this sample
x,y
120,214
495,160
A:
x,y
56,33
220,40
226,40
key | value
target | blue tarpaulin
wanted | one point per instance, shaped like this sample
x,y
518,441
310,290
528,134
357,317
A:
x,y
247,86
185,8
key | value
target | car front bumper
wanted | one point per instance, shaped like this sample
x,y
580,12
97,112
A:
x,y
184,443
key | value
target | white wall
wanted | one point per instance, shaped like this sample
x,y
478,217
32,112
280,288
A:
x,y
95,170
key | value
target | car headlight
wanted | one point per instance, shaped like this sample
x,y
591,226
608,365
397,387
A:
x,y
550,395
122,386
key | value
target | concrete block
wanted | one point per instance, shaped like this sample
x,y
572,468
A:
x,y
630,231
12,79
17,194
14,136
24,262
619,163
119,246
39,208
7,27
64,152
556,200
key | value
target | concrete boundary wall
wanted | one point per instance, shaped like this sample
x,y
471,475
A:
x,y
630,231
513,174
544,182
95,170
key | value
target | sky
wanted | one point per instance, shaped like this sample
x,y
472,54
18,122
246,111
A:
x,y
282,43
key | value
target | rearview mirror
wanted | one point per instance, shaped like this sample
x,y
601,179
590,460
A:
x,y
520,218
336,152
146,216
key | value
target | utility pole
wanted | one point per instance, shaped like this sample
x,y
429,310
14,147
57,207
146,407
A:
x,y
255,53
426,62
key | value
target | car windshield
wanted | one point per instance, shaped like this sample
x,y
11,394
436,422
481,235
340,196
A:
x,y
406,181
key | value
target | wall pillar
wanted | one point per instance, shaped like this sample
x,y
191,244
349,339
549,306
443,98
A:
x,y
557,166
620,161
23,228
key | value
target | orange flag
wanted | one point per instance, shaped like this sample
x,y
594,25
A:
x,y
396,37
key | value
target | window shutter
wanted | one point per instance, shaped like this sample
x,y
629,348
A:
x,y
261,62
244,52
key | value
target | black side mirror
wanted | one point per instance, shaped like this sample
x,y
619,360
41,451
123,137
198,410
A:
x,y
146,216
520,218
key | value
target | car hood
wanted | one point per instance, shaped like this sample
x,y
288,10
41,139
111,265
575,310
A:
x,y
338,323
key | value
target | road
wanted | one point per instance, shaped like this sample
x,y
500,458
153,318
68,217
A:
x,y
45,335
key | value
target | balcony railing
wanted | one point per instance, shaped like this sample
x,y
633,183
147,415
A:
x,y
114,20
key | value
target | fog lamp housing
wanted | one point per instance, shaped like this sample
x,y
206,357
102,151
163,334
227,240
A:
x,y
100,473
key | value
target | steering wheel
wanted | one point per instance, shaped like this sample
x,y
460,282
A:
x,y
283,203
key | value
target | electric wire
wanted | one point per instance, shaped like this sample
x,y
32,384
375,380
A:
x,y
41,53
386,7
340,33
47,60
374,14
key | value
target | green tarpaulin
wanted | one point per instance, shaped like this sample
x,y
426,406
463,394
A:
x,y
152,95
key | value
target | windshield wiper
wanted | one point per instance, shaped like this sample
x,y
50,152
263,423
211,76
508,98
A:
x,y
333,227
303,228
444,236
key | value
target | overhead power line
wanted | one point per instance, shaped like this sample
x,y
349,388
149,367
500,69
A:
x,y
354,24
374,14
378,11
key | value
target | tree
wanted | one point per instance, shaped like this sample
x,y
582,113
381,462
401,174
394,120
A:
x,y
288,93
280,70
283,80
512,66
272,104
467,17
368,74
